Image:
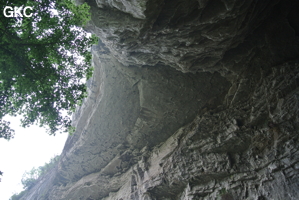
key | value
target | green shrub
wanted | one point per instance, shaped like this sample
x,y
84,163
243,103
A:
x,y
30,178
17,196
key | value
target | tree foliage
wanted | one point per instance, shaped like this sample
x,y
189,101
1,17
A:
x,y
17,196
43,59
30,178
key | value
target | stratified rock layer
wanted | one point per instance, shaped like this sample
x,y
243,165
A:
x,y
189,100
200,35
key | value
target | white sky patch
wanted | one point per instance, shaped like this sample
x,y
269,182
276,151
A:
x,y
31,147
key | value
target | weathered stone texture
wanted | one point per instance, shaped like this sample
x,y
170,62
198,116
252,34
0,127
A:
x,y
243,152
197,35
189,100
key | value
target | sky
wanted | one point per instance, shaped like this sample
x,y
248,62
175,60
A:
x,y
30,147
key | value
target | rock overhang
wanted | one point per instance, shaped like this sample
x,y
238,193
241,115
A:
x,y
180,101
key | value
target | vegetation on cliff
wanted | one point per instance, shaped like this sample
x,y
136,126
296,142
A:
x,y
43,59
30,178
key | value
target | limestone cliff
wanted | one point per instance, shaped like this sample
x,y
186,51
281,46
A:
x,y
189,100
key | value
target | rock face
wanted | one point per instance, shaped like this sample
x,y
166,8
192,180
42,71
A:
x,y
189,100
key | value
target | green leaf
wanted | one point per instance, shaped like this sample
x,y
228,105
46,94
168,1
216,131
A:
x,y
40,76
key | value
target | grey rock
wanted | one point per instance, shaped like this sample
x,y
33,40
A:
x,y
194,36
189,100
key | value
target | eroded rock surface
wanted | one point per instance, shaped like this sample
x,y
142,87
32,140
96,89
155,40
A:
x,y
199,35
189,100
